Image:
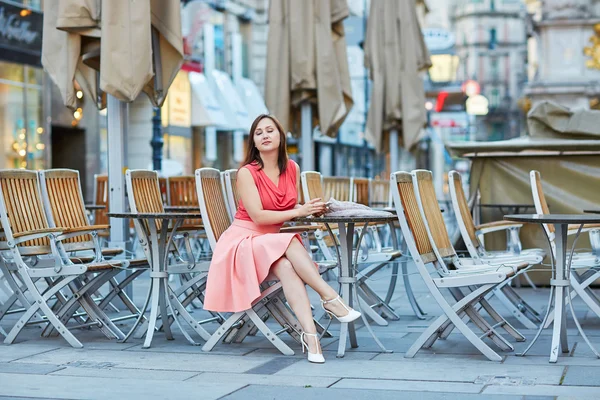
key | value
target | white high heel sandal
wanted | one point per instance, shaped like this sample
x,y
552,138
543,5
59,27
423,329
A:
x,y
352,313
316,358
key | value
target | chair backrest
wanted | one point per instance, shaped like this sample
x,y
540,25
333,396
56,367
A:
x,y
539,198
64,205
231,190
143,192
411,221
359,188
337,187
434,220
380,194
101,199
463,212
21,209
213,206
312,185
181,191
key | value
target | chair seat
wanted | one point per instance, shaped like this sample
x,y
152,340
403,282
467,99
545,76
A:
x,y
496,224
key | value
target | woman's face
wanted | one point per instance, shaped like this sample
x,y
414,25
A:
x,y
266,136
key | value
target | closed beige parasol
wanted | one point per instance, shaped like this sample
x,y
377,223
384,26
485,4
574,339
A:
x,y
307,63
395,53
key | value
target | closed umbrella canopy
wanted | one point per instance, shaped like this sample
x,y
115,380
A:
x,y
307,61
395,53
135,45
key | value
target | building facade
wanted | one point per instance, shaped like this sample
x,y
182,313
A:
x,y
491,42
24,136
564,44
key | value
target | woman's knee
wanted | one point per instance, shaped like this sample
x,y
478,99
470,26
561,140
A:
x,y
283,266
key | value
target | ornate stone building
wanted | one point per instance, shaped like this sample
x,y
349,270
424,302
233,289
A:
x,y
561,30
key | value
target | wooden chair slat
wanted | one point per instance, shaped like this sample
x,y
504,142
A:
x,y
23,205
542,199
434,216
465,211
360,189
315,187
182,192
101,199
413,216
66,202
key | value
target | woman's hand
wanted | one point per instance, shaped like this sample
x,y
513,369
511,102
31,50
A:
x,y
311,207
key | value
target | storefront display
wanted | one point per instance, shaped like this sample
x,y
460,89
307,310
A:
x,y
22,122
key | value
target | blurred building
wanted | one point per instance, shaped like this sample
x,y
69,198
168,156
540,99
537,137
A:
x,y
564,52
491,43
23,106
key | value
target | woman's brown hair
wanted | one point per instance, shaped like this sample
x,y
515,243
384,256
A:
x,y
252,153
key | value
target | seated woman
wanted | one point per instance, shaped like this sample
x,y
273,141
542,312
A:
x,y
252,248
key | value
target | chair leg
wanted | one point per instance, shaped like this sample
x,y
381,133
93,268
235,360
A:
x,y
223,330
40,303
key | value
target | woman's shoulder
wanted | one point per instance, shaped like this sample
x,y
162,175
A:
x,y
293,166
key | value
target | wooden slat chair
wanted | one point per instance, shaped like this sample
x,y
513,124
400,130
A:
x,y
337,187
586,262
64,206
470,234
29,235
231,192
370,261
359,190
181,191
145,196
101,199
216,219
424,254
379,194
440,240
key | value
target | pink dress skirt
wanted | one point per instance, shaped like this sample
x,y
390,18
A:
x,y
242,260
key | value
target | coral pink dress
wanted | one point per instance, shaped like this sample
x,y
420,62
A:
x,y
246,251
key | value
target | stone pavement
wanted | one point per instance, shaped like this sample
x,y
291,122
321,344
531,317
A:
x,y
48,368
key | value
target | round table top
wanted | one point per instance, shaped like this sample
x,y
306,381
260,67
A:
x,y
346,220
596,211
499,205
554,218
94,207
166,215
181,208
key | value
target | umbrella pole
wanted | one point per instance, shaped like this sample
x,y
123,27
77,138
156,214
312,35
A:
x,y
117,123
393,150
308,150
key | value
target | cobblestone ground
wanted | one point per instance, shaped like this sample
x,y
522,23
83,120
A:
x,y
37,367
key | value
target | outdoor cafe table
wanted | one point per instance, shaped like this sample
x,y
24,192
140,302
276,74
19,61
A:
x,y
560,284
160,295
348,266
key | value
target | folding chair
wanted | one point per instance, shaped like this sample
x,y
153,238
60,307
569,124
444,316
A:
x,y
145,196
216,220
440,240
64,206
29,236
424,253
587,262
470,234
373,261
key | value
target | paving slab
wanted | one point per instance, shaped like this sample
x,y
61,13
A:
x,y
124,373
407,386
414,370
86,388
274,392
582,376
149,360
269,380
571,392
27,368
22,350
